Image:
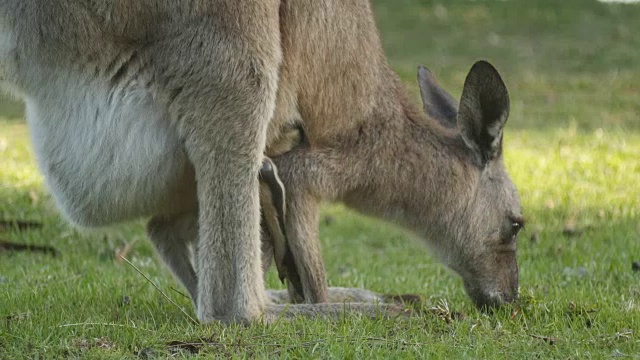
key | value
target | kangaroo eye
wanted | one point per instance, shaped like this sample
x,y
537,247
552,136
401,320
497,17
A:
x,y
510,229
516,226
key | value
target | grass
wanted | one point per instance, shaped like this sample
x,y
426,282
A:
x,y
572,147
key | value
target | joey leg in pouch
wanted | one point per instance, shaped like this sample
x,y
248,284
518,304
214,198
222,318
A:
x,y
274,236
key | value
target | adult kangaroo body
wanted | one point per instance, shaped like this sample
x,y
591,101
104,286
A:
x,y
158,108
438,172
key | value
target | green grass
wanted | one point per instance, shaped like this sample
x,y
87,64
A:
x,y
572,147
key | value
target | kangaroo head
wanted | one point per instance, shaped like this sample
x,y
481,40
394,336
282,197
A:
x,y
478,234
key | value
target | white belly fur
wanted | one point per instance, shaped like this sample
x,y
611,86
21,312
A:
x,y
107,162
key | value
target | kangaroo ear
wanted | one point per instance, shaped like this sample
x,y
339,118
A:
x,y
484,108
436,101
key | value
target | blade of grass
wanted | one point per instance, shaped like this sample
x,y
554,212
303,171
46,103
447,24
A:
x,y
160,290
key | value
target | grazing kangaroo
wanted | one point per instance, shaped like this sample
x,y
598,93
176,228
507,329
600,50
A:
x,y
439,174
163,109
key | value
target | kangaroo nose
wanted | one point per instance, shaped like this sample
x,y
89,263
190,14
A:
x,y
488,302
509,297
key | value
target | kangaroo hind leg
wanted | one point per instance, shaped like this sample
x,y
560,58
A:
x,y
171,237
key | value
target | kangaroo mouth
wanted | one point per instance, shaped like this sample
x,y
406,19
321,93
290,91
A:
x,y
489,300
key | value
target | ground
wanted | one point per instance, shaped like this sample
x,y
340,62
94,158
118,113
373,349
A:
x,y
572,146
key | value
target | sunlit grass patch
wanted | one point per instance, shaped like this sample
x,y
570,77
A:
x,y
595,171
18,164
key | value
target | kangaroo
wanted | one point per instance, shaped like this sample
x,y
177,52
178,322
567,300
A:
x,y
439,173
